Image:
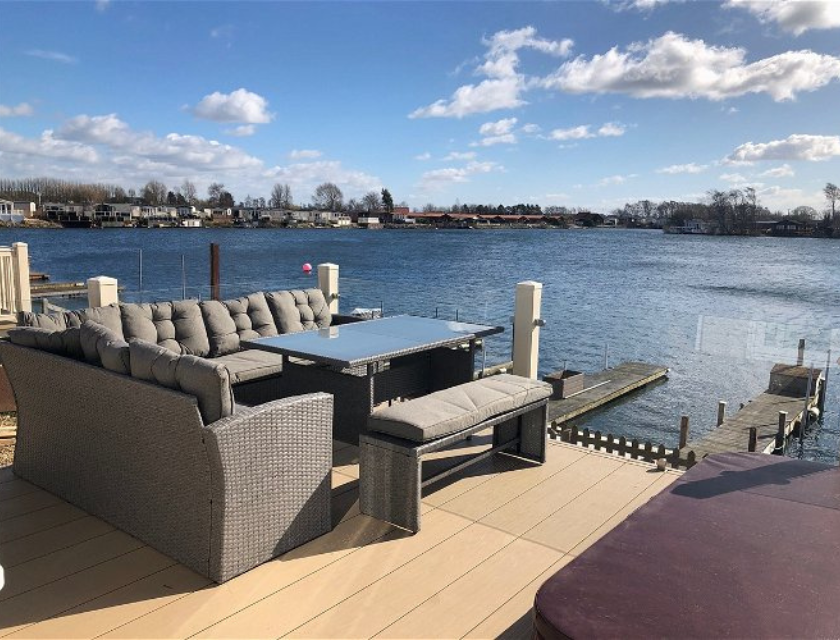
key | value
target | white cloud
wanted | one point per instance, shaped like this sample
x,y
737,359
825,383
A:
x,y
614,180
423,156
734,178
23,109
47,146
573,133
793,16
778,198
55,56
238,106
498,128
304,154
456,155
785,171
242,131
639,5
672,66
103,5
612,130
489,141
794,147
691,167
503,84
440,178
531,128
305,176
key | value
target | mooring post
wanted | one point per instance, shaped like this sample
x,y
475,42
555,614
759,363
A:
x,y
215,279
824,385
183,277
606,356
800,354
753,440
780,434
804,421
683,431
721,412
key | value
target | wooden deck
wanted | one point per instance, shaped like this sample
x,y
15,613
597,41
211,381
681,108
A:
x,y
604,387
491,535
762,412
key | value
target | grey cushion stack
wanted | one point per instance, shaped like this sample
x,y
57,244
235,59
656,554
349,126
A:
x,y
177,326
457,408
207,381
65,342
252,316
102,346
295,311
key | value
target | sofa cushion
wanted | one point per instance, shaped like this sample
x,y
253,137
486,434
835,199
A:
x,y
108,316
457,408
207,381
252,316
63,343
48,321
221,329
251,364
299,310
177,326
102,346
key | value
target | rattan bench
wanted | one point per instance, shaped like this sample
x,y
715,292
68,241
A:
x,y
391,454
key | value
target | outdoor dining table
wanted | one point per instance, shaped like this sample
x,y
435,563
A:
x,y
366,363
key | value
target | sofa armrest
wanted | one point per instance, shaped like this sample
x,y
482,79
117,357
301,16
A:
x,y
270,469
338,318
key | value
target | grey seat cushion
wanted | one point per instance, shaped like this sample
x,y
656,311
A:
x,y
251,364
108,316
295,310
207,381
102,346
252,316
177,326
221,329
457,408
63,343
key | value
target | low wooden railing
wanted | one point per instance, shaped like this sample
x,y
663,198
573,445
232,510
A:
x,y
633,449
14,281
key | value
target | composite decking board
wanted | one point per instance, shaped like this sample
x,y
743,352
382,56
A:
x,y
604,387
27,503
14,488
51,540
361,560
41,520
6,474
761,412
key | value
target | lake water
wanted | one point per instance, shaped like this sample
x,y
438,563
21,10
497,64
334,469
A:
x,y
717,311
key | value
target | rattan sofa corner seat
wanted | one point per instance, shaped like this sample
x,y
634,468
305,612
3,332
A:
x,y
391,454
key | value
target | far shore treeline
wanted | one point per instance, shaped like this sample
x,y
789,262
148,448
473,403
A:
x,y
727,212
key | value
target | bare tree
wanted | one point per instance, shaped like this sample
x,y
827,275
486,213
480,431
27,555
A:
x,y
371,202
214,191
832,194
281,196
188,191
328,196
154,192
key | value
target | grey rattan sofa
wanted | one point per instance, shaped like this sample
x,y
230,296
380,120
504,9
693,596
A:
x,y
220,497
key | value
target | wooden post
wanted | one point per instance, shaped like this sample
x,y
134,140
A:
x,y
215,279
780,434
526,329
753,442
721,412
800,353
328,284
23,296
683,431
102,291
803,423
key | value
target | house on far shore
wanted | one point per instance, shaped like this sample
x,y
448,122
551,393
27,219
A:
x,y
369,222
790,227
10,213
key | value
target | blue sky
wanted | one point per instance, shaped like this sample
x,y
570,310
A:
x,y
558,103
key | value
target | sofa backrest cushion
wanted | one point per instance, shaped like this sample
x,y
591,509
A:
x,y
208,382
63,343
221,329
177,326
102,346
108,316
252,316
299,310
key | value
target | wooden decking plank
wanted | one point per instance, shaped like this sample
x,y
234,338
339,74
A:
x,y
60,564
30,523
371,610
14,488
46,542
6,474
27,503
458,608
57,597
307,598
118,607
197,611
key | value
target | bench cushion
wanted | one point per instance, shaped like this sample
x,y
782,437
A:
x,y
251,364
457,408
252,316
295,310
64,343
177,326
102,346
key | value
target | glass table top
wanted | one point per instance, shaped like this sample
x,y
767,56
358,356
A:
x,y
370,341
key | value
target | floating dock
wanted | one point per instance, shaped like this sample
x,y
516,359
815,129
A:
x,y
602,388
787,393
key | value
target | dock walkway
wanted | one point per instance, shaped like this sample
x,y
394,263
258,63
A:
x,y
604,387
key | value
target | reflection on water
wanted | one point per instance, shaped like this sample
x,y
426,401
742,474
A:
x,y
717,311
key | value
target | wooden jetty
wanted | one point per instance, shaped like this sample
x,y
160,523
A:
x,y
602,388
774,414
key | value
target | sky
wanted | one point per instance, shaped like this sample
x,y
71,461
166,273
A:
x,y
579,104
